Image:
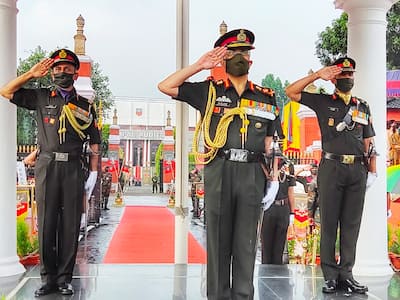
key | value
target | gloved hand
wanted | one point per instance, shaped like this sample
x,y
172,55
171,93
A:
x,y
291,219
269,197
371,178
90,183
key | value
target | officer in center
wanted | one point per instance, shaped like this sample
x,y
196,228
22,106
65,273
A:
x,y
238,121
347,168
65,121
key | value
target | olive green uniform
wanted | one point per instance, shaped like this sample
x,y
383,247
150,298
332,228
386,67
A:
x,y
233,189
59,179
342,177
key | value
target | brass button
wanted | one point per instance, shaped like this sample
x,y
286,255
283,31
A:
x,y
258,125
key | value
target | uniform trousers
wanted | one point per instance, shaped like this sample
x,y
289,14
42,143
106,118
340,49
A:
x,y
341,190
233,195
274,233
59,194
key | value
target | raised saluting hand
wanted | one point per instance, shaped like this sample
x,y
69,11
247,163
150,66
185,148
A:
x,y
41,68
212,58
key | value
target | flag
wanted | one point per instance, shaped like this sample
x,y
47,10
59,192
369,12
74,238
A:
x,y
291,127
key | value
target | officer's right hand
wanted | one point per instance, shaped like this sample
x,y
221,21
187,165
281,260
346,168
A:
x,y
329,72
41,68
212,58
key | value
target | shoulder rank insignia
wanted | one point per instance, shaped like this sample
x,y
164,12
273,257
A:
x,y
265,90
362,101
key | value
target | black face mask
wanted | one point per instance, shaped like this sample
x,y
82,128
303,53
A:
x,y
63,80
344,84
237,65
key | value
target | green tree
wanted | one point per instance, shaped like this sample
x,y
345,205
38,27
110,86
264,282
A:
x,y
105,133
276,84
393,37
26,125
332,42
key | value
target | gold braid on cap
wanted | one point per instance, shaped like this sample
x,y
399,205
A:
x,y
67,113
203,128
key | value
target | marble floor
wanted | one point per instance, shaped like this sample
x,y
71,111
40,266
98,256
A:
x,y
97,281
168,281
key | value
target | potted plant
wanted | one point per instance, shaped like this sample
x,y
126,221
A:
x,y
394,247
27,247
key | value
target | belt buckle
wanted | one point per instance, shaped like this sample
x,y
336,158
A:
x,y
60,156
348,159
239,155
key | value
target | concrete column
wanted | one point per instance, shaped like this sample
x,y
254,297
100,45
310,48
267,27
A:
x,y
181,155
9,261
367,45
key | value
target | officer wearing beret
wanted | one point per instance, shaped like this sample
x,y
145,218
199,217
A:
x,y
238,118
347,168
65,121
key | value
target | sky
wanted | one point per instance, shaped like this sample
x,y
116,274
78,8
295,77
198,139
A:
x,y
135,41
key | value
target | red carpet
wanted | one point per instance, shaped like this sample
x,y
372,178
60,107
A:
x,y
146,235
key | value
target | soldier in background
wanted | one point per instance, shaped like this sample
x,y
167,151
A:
x,y
106,181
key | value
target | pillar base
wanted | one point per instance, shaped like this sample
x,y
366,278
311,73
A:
x,y
372,268
11,266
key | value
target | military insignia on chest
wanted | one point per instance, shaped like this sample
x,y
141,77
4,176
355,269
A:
x,y
80,113
331,122
360,117
223,101
259,109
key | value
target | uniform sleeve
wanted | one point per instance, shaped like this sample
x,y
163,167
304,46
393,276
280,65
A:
x,y
194,93
27,98
292,180
310,100
93,131
369,129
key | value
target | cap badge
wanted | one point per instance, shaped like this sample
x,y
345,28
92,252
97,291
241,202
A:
x,y
346,63
62,54
241,37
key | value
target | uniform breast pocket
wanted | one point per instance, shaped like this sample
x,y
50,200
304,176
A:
x,y
257,130
50,115
257,125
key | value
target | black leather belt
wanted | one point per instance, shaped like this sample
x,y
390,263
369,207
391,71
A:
x,y
344,158
240,155
281,202
60,156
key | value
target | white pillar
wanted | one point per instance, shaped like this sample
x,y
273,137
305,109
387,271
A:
x,y
367,45
9,261
181,155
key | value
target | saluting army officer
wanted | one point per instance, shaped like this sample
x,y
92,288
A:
x,y
347,168
238,118
65,120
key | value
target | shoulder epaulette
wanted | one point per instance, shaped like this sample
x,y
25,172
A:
x,y
90,101
362,101
265,90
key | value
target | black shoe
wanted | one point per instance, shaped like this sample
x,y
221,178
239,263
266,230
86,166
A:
x,y
330,287
46,289
351,285
65,289
106,208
